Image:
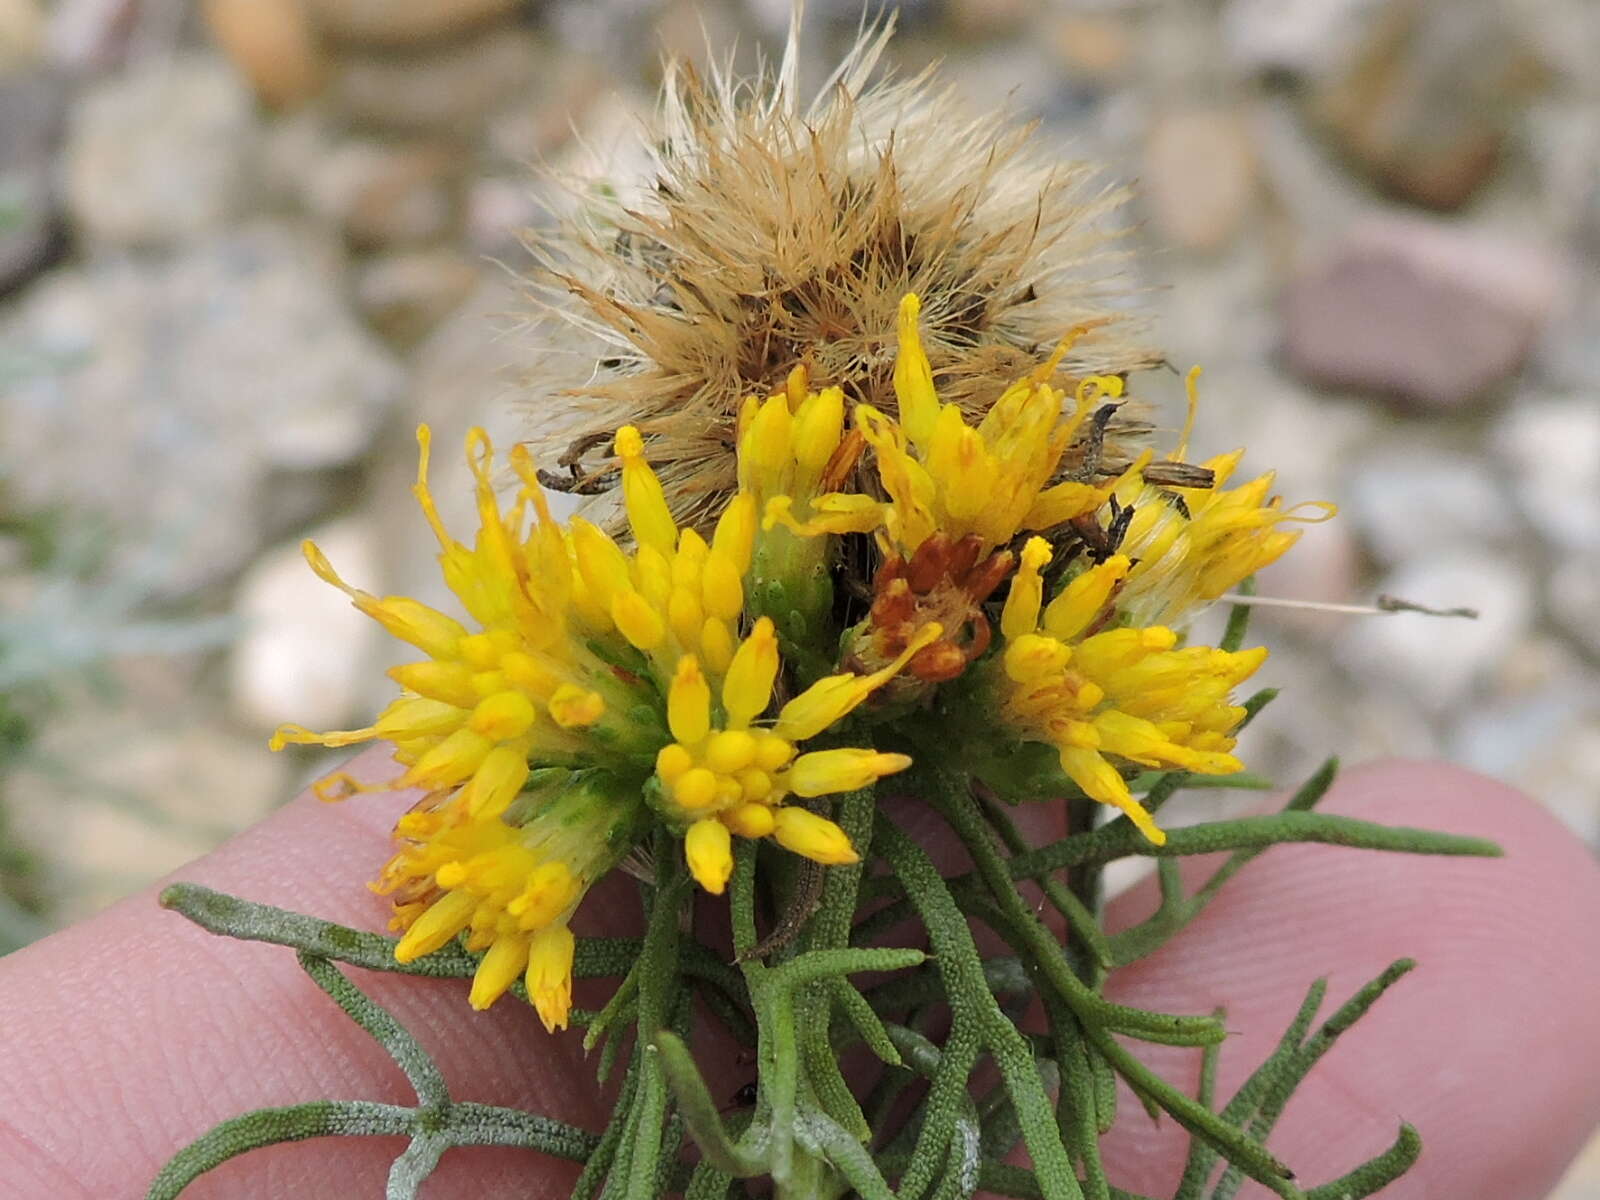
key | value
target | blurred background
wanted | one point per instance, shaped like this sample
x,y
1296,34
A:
x,y
245,245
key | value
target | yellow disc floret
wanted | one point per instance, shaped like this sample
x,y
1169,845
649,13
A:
x,y
1113,696
730,776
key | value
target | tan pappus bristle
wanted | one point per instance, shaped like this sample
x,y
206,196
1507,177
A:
x,y
774,234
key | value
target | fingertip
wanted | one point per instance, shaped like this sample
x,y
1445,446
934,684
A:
x,y
1484,1047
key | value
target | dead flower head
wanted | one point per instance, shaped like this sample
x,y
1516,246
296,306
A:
x,y
773,234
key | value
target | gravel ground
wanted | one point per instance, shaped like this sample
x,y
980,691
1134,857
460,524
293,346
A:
x,y
244,249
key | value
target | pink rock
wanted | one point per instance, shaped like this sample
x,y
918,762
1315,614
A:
x,y
1429,314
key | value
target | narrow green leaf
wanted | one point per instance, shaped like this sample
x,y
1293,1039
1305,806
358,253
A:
x,y
1120,839
1376,1174
1238,618
700,1110
419,1069
271,1126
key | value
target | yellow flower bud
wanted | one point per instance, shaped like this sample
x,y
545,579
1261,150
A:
x,y
709,851
810,836
823,772
735,535
573,707
696,789
819,425
689,702
747,689
722,587
913,377
503,716
648,514
1021,612
1082,600
450,762
450,682
549,977
716,645
507,958
497,781
750,820
445,917
730,751
638,621
419,717
1033,656
672,760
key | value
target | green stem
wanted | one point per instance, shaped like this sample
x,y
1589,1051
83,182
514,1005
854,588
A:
x,y
1120,839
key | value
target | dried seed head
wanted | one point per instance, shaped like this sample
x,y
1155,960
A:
x,y
773,234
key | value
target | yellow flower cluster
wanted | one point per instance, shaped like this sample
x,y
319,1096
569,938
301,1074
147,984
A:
x,y
1099,695
598,685
595,662
943,475
1097,673
732,778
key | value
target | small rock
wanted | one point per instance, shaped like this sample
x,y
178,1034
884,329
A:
x,y
162,154
90,37
1426,104
1574,595
1093,47
405,294
272,42
499,213
449,90
1553,447
32,113
1293,36
1547,743
305,649
1431,315
987,18
181,384
1441,661
1199,176
1408,500
382,195
21,35
404,22
161,786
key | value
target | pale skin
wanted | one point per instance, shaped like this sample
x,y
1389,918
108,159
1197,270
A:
x,y
131,1033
